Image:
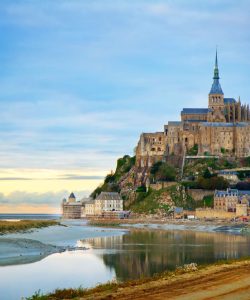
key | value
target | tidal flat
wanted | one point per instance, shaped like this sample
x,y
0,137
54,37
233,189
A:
x,y
97,255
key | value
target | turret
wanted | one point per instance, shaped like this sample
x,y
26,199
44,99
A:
x,y
72,198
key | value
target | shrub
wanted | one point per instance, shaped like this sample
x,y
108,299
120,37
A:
x,y
141,189
161,171
207,174
222,150
213,183
193,150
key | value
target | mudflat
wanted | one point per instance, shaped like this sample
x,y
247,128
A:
x,y
224,282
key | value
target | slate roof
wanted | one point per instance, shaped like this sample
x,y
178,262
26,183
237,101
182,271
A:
x,y
174,123
187,111
72,195
228,192
109,196
222,172
216,88
229,100
223,124
242,193
178,210
198,121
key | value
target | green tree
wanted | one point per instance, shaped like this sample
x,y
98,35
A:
x,y
207,174
161,171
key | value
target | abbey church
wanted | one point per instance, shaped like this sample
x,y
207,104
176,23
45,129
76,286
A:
x,y
221,129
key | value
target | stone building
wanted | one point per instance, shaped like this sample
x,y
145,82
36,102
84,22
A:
x,y
226,200
221,129
232,200
105,202
71,209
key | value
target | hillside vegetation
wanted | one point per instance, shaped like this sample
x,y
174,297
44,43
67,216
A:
x,y
198,174
111,181
161,201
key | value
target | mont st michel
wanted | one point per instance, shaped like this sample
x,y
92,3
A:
x,y
125,150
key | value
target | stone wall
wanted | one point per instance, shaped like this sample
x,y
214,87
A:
x,y
241,210
198,194
210,213
161,185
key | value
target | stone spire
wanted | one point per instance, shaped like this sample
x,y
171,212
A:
x,y
216,88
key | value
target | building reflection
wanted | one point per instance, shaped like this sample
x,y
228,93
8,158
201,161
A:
x,y
144,253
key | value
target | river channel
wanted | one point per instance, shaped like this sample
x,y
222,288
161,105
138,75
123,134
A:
x,y
110,254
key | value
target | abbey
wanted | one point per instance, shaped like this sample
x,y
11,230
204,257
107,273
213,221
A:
x,y
221,129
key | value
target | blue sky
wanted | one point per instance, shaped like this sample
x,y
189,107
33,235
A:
x,y
80,80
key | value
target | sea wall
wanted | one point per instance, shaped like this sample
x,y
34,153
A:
x,y
210,213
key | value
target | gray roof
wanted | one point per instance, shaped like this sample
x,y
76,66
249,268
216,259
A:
x,y
109,196
222,172
228,192
89,202
72,195
224,124
187,111
174,123
178,210
216,88
195,121
229,100
242,193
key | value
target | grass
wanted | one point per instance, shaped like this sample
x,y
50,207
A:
x,y
147,202
207,201
153,201
23,225
113,286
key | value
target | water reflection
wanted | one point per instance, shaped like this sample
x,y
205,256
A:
x,y
60,270
143,253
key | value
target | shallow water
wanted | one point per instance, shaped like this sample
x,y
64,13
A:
x,y
13,217
115,254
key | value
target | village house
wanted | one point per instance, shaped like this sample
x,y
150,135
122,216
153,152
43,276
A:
x,y
104,203
228,204
228,200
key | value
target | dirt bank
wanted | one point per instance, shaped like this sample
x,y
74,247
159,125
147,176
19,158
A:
x,y
214,282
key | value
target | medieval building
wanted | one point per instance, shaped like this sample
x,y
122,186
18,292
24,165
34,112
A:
x,y
222,129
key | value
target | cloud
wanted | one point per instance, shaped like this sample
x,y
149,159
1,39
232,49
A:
x,y
80,80
65,177
52,199
80,177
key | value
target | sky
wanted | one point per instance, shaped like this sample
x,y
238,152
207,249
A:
x,y
81,80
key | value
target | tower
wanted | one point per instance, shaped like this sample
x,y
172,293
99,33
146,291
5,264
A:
x,y
216,97
72,198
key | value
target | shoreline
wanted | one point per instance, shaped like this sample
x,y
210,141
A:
x,y
213,281
169,224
